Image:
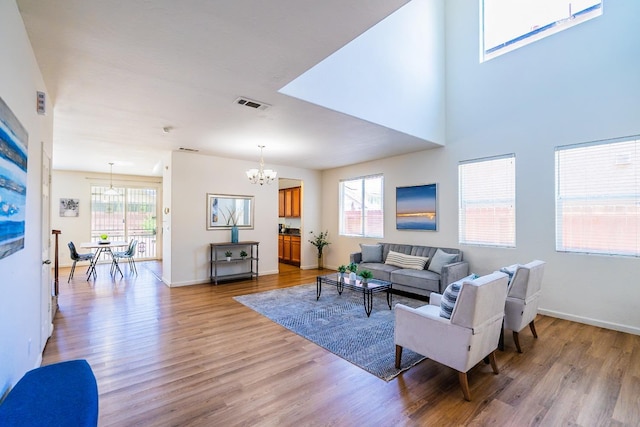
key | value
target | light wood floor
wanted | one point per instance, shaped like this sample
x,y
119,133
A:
x,y
192,356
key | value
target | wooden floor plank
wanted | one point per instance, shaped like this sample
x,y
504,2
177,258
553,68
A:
x,y
193,356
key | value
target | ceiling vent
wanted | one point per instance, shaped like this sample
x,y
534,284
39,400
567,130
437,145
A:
x,y
251,103
191,150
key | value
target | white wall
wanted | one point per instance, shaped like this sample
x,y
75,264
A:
x,y
21,292
575,86
77,185
195,175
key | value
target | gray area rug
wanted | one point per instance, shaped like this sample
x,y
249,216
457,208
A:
x,y
339,324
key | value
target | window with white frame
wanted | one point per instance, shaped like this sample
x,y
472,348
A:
x,y
361,207
486,208
509,24
598,197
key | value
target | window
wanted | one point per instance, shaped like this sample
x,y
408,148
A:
x,y
509,24
487,192
129,215
598,197
361,211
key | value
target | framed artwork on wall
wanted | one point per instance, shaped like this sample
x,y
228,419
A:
x,y
69,207
225,211
13,185
416,207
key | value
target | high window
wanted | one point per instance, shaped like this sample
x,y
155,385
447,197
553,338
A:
x,y
598,197
361,208
510,24
486,208
129,215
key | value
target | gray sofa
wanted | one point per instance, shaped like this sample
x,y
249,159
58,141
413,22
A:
x,y
448,265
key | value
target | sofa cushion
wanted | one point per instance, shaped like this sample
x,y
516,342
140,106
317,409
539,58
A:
x,y
406,261
450,296
417,279
440,259
371,253
380,271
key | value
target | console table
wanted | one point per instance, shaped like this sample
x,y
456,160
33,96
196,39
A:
x,y
237,267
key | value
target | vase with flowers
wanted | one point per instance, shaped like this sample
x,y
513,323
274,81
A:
x,y
231,218
320,241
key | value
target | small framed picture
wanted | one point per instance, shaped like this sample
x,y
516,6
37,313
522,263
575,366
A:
x,y
69,207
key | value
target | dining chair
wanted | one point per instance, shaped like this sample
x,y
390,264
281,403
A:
x,y
128,255
76,257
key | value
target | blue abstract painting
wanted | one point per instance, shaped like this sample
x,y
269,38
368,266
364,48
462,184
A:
x,y
416,207
13,181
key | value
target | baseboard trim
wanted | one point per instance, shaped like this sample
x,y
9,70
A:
x,y
589,321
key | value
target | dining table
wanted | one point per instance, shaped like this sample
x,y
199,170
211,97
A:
x,y
101,246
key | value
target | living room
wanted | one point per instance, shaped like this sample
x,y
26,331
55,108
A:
x,y
575,87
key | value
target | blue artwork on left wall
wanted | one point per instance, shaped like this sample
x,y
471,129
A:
x,y
13,181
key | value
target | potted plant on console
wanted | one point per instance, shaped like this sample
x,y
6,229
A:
x,y
228,254
243,254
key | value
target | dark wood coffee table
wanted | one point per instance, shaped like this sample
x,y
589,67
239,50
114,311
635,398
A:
x,y
372,287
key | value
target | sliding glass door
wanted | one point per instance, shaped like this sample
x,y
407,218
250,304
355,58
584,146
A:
x,y
129,214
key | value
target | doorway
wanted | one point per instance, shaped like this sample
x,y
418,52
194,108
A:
x,y
290,204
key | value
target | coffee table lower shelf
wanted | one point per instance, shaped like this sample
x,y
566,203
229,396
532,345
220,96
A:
x,y
373,286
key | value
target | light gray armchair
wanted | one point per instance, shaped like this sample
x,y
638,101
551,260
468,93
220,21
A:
x,y
521,306
469,336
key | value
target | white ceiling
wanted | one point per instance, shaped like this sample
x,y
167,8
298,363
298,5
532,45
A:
x,y
119,71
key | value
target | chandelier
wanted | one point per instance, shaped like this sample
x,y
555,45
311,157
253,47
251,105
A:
x,y
111,191
262,175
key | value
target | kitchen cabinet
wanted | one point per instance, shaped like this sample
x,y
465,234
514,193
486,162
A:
x,y
289,200
289,249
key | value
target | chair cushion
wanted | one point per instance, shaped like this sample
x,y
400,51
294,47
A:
x,y
371,253
406,261
450,296
440,259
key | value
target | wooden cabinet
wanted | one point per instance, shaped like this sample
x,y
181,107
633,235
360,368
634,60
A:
x,y
295,250
289,249
289,200
281,203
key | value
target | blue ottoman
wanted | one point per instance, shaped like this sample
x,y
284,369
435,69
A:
x,y
62,394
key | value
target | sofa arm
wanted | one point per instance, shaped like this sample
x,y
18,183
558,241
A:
x,y
356,257
452,273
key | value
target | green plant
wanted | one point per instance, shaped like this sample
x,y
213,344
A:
x,y
353,267
320,241
243,254
366,274
228,254
342,268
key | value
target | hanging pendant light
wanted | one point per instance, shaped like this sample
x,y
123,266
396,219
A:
x,y
262,175
111,191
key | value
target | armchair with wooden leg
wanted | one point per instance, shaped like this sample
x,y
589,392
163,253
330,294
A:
x,y
469,336
521,306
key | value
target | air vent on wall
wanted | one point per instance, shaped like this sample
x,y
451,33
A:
x,y
252,103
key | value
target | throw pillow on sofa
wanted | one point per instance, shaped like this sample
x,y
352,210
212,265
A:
x,y
439,260
371,253
406,261
450,296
